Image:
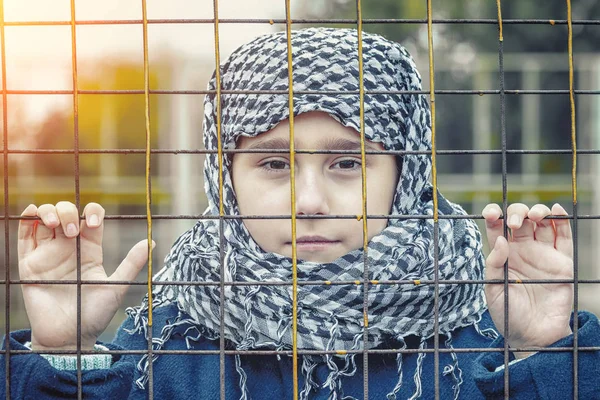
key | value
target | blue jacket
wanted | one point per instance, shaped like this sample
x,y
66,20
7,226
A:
x,y
545,375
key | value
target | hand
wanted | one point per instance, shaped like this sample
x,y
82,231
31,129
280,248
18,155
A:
x,y
537,248
47,250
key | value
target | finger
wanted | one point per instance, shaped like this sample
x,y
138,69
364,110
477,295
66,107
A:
x,y
26,242
131,265
495,261
44,230
47,213
544,228
521,229
69,219
92,227
564,236
493,224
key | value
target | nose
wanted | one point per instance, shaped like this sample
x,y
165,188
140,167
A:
x,y
311,193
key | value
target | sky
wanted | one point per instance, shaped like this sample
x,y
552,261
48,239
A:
x,y
39,57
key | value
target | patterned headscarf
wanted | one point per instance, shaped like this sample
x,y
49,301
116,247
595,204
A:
x,y
329,316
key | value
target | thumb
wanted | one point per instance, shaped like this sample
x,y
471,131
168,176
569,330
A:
x,y
495,261
133,263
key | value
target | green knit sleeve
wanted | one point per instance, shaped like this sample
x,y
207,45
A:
x,y
88,361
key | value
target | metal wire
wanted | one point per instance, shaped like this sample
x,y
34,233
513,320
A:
x,y
5,217
292,154
221,204
75,83
575,206
366,283
279,151
478,92
504,189
436,226
148,184
335,21
364,217
288,217
305,352
306,283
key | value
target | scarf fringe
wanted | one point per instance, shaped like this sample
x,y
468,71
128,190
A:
x,y
193,332
392,394
334,380
308,368
489,333
419,370
453,368
243,377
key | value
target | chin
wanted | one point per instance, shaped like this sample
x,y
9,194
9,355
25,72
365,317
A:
x,y
318,258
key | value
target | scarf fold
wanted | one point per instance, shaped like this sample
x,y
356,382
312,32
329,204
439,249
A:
x,y
330,317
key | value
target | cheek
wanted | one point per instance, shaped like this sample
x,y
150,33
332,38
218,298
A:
x,y
264,201
381,190
260,197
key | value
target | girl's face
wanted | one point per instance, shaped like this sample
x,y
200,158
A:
x,y
326,184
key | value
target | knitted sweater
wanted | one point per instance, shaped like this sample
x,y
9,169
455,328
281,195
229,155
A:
x,y
544,375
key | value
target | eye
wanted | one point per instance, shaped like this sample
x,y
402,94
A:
x,y
347,164
275,165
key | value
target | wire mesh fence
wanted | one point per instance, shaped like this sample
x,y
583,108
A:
x,y
488,162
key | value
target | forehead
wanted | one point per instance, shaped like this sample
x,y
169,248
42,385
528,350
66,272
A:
x,y
313,130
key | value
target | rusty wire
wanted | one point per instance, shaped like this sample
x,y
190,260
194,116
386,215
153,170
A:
x,y
502,92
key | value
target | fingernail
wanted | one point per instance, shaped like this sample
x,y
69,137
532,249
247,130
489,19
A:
x,y
515,220
71,230
51,218
93,220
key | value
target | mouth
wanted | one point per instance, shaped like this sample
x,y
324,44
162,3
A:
x,y
313,243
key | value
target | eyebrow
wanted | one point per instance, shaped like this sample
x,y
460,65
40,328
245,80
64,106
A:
x,y
328,144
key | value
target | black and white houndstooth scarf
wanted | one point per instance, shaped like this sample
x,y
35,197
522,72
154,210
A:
x,y
329,316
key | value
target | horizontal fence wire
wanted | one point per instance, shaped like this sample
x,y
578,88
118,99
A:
x,y
309,352
251,151
288,217
416,282
298,21
365,283
478,92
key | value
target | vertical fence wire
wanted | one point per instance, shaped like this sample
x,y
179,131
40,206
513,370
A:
x,y
148,194
221,204
292,152
288,30
436,225
75,83
6,214
504,187
575,207
361,86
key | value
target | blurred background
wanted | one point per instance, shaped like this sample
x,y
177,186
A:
x,y
181,57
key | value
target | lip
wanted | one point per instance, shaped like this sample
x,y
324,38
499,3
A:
x,y
314,243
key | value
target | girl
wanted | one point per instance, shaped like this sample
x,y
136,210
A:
x,y
330,316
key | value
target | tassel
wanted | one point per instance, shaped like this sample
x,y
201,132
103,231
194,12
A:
x,y
453,368
308,367
243,377
392,394
418,370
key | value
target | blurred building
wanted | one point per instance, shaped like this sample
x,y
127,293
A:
x,y
464,122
